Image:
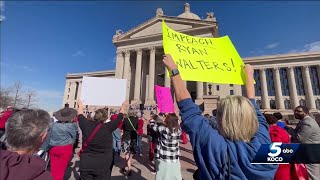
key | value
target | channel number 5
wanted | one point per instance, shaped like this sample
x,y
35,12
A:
x,y
275,149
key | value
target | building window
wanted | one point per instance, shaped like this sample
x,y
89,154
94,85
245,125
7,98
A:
x,y
287,104
258,102
69,90
302,102
270,82
218,87
231,92
314,80
273,104
318,104
243,90
68,97
284,82
231,85
69,84
299,81
76,93
257,86
74,106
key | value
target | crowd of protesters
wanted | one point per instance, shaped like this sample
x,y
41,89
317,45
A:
x,y
223,144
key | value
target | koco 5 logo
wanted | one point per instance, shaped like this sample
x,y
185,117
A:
x,y
275,151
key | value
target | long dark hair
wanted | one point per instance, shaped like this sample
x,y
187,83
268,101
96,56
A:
x,y
172,122
271,119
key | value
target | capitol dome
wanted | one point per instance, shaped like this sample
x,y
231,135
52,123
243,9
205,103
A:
x,y
188,14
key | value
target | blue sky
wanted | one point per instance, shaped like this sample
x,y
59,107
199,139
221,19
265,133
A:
x,y
43,41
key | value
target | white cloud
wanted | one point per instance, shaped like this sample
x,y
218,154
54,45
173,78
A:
x,y
26,68
79,53
315,46
311,47
273,45
256,52
16,67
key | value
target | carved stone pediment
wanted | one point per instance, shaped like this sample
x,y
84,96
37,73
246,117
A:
x,y
153,27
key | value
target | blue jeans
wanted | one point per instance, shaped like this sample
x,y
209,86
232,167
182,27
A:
x,y
116,145
139,144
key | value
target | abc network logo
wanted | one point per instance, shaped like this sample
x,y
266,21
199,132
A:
x,y
275,151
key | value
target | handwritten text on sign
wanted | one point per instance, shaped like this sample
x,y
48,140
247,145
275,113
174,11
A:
x,y
204,59
164,99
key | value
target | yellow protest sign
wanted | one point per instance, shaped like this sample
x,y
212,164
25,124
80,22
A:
x,y
204,59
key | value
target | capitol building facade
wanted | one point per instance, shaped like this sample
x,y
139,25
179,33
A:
x,y
282,81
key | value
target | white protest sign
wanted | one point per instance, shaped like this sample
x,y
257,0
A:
x,y
101,91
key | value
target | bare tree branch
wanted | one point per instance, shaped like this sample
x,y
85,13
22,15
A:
x,y
16,96
31,98
17,87
5,97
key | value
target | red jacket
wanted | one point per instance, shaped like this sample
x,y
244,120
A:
x,y
4,119
114,117
277,134
140,126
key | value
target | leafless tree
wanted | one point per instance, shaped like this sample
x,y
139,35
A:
x,y
17,97
17,89
31,98
5,97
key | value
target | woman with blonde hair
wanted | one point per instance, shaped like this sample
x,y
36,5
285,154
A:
x,y
225,152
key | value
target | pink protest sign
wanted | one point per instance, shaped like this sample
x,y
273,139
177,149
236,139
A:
x,y
164,99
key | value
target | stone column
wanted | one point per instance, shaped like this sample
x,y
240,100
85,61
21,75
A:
x,y
146,96
214,89
308,88
199,99
279,98
152,63
126,72
199,90
318,72
264,95
167,80
79,90
293,88
119,65
137,79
